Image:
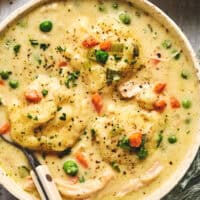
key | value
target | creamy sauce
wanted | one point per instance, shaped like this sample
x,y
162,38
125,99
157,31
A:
x,y
58,65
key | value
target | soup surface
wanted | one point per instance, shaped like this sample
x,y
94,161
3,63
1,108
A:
x,y
102,93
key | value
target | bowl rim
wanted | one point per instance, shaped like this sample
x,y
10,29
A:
x,y
168,23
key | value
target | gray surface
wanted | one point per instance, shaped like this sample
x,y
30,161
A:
x,y
186,14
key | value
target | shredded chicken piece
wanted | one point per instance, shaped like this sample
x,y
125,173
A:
x,y
29,185
133,185
129,89
137,183
87,189
152,173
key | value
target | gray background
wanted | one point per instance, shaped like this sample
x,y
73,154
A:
x,y
186,14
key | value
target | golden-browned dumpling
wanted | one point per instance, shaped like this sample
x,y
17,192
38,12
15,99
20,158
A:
x,y
52,124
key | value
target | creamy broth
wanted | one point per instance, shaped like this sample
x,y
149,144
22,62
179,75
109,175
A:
x,y
108,83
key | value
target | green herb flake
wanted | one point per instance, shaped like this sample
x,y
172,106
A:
x,y
93,133
45,92
115,166
167,44
102,8
71,79
5,74
44,46
33,42
63,117
176,54
59,108
115,5
81,179
159,139
60,49
185,74
16,49
29,116
124,143
112,76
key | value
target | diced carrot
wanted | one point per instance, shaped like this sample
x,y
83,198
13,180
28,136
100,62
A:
x,y
160,105
155,61
90,42
73,179
81,159
33,96
105,46
175,102
62,64
135,139
4,128
159,88
97,102
2,82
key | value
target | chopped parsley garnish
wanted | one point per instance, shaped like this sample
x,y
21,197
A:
x,y
167,44
93,133
112,76
45,92
71,79
5,74
81,179
44,46
115,166
115,5
59,108
124,143
176,54
60,49
29,116
159,139
34,42
63,117
16,49
142,152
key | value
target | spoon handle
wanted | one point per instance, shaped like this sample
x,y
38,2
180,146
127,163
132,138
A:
x,y
47,182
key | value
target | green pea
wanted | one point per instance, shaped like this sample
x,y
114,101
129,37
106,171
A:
x,y
14,84
46,26
186,104
125,18
71,168
172,139
5,75
101,56
45,92
185,74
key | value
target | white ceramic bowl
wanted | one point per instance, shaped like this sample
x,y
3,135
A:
x,y
163,19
